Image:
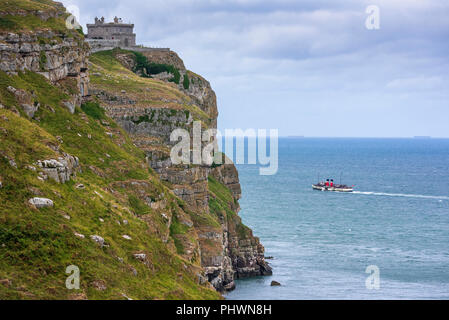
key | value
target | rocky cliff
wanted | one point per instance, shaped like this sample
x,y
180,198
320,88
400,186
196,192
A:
x,y
228,248
86,179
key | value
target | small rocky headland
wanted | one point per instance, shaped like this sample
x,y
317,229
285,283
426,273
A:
x,y
86,178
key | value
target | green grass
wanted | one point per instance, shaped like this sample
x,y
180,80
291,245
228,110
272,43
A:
x,y
36,246
220,203
31,22
113,77
177,228
138,206
27,5
93,110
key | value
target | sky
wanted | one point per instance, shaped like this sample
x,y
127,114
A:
x,y
306,67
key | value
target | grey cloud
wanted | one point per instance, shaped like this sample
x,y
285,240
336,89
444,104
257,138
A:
x,y
313,55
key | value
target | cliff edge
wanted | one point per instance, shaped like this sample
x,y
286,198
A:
x,y
86,180
149,107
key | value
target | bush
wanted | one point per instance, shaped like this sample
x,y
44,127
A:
x,y
176,76
141,62
80,30
42,60
186,82
93,110
149,68
7,24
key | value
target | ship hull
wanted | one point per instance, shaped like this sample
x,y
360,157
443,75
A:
x,y
331,189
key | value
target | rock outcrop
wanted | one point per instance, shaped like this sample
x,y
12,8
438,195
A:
x,y
117,210
59,170
228,249
245,251
182,221
165,56
55,60
55,54
25,100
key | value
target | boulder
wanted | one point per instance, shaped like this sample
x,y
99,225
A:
x,y
30,109
41,202
99,240
12,163
70,106
99,285
275,283
140,256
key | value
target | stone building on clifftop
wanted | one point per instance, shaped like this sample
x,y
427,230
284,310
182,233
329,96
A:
x,y
116,32
103,35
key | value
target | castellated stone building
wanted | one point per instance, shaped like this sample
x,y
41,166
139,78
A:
x,y
114,34
103,35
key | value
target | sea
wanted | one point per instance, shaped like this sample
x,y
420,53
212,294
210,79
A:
x,y
387,240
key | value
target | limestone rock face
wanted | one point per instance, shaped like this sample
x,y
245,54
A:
x,y
225,253
235,254
199,89
165,56
229,176
203,95
190,184
54,60
247,257
61,169
150,121
46,52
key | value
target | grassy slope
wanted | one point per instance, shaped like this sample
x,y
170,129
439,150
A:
x,y
108,74
37,245
18,15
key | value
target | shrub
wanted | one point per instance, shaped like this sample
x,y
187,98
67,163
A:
x,y
176,76
186,82
141,62
149,68
42,60
7,24
80,30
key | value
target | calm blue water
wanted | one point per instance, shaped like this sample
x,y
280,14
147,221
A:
x,y
322,242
